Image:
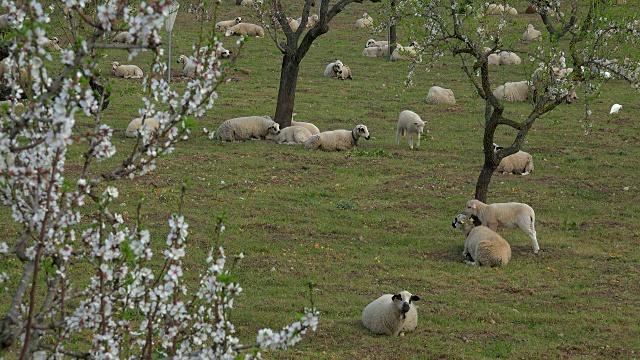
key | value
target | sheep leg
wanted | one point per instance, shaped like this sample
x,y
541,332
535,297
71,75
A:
x,y
410,138
534,241
418,141
472,263
398,132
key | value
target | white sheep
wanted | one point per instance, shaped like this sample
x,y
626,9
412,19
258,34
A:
x,y
513,91
188,67
376,51
483,246
439,95
520,163
246,128
409,123
291,135
391,314
494,59
495,9
225,24
374,43
509,58
246,29
124,37
531,34
309,126
344,73
150,126
312,21
250,3
508,215
337,140
126,71
364,22
52,44
403,53
294,24
332,69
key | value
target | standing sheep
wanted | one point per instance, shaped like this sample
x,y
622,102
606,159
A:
x,y
246,128
291,135
508,215
225,24
126,71
513,91
150,126
337,140
483,246
531,34
520,163
364,22
439,95
188,67
409,123
391,314
246,29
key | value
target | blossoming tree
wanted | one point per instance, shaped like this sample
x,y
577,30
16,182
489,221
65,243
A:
x,y
66,219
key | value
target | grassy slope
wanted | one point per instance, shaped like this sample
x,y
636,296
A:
x,y
360,226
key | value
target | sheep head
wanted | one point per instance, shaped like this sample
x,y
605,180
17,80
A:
x,y
114,65
274,128
403,301
471,208
238,20
360,131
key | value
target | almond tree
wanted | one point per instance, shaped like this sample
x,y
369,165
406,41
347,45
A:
x,y
593,37
66,220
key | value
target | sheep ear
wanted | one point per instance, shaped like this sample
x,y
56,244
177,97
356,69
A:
x,y
415,297
396,297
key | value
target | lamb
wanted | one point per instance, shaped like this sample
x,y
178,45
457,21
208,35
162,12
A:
x,y
246,128
133,129
309,126
391,314
520,163
332,69
247,29
126,71
531,34
509,58
364,22
291,135
225,24
124,37
337,140
409,123
374,43
512,91
376,51
483,246
439,95
508,215
189,67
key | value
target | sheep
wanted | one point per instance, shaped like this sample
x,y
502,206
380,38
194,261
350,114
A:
x,y
124,37
409,123
150,126
483,246
391,314
309,126
512,11
508,215
374,43
225,24
337,140
126,71
52,44
189,67
291,135
512,91
520,163
247,29
509,58
332,69
494,59
293,24
221,53
376,51
531,34
312,21
250,3
246,128
364,22
439,95
495,9
344,73
403,53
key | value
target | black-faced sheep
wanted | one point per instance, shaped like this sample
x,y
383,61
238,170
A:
x,y
508,215
332,69
126,71
409,123
246,29
53,44
291,135
391,314
520,163
439,95
246,128
337,140
364,22
225,24
483,246
344,73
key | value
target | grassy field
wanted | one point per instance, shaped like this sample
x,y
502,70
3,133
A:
x,y
378,219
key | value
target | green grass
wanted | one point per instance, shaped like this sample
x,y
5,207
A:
x,y
377,220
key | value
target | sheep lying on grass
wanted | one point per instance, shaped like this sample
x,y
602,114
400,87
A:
x,y
126,71
409,123
513,91
332,69
508,215
364,22
509,58
291,135
189,67
124,37
150,126
246,29
404,52
439,95
337,140
520,163
344,73
309,126
376,51
391,314
531,34
374,43
246,128
53,44
225,24
483,246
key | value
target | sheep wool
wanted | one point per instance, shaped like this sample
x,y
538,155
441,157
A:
x,y
344,73
509,58
375,43
246,128
291,135
409,123
509,215
337,140
439,95
403,53
364,22
391,314
332,69
531,34
512,91
293,24
483,246
494,59
189,67
124,37
309,126
133,129
520,163
246,29
126,71
225,24
495,9
52,44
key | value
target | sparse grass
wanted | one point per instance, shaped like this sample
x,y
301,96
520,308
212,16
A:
x,y
377,220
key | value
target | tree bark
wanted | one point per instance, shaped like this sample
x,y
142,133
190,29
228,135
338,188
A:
x,y
482,186
287,90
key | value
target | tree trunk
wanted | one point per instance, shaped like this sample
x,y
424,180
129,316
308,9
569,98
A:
x,y
392,30
482,186
287,89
